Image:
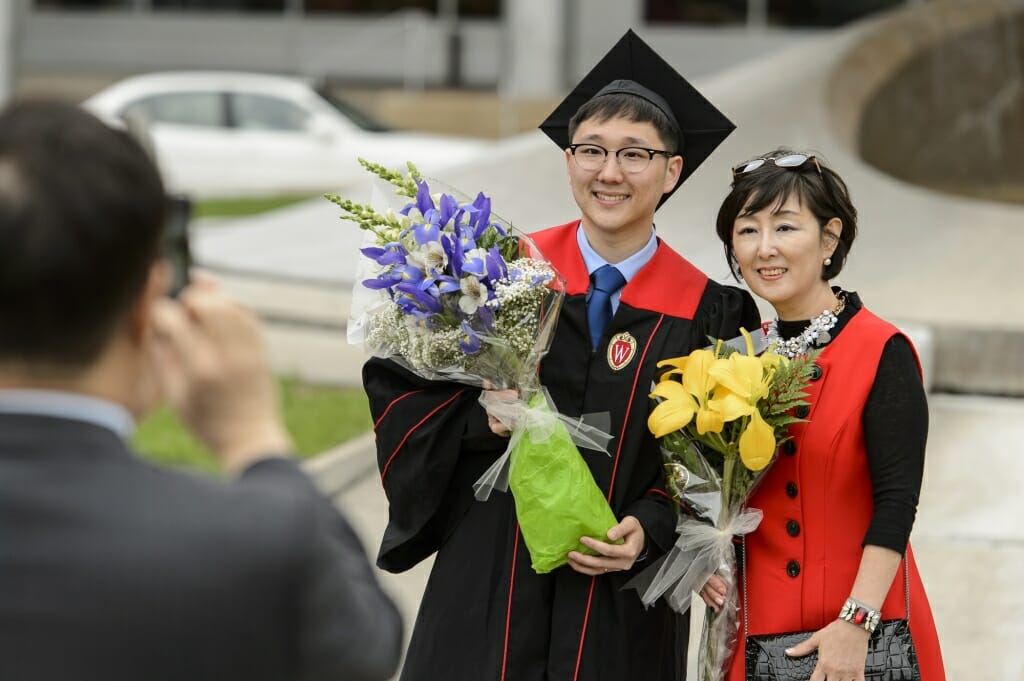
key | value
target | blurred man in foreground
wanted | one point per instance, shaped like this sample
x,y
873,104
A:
x,y
111,568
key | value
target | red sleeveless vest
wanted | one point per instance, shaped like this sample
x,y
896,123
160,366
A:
x,y
817,503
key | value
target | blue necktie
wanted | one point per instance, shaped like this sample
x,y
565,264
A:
x,y
605,281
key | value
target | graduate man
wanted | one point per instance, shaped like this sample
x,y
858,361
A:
x,y
631,132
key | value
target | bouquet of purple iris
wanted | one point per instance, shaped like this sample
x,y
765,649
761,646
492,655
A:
x,y
461,295
458,294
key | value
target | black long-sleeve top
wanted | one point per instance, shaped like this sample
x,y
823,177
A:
x,y
895,432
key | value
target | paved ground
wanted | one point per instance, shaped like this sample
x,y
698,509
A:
x,y
924,259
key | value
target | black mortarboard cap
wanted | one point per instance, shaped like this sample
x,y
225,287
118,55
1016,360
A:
x,y
631,66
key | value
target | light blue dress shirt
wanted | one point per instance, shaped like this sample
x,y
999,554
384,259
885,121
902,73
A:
x,y
628,267
66,405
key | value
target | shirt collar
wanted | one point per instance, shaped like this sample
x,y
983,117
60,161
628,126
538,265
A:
x,y
628,267
67,405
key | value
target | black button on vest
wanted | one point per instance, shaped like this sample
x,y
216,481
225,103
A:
x,y
802,411
789,447
815,372
793,568
791,490
793,528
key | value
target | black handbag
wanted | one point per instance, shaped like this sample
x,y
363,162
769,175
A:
x,y
891,654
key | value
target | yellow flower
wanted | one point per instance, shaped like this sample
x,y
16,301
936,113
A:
x,y
741,384
697,375
757,443
730,405
743,381
709,420
682,402
674,412
678,362
771,360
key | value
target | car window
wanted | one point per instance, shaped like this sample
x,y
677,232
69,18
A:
x,y
354,114
181,108
265,112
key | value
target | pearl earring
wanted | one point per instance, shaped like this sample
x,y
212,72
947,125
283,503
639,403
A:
x,y
828,261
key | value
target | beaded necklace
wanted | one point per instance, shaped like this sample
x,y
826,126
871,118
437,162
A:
x,y
815,335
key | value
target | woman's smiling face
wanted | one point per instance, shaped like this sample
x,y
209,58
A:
x,y
780,251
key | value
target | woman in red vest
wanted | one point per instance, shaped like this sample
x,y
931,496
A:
x,y
839,502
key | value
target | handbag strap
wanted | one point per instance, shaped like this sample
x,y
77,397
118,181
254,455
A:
x,y
743,570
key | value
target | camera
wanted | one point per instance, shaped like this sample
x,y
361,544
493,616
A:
x,y
177,210
176,246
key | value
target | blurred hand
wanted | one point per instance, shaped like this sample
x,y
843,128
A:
x,y
612,557
213,371
499,407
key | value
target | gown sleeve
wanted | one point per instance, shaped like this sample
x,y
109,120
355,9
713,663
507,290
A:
x,y
656,513
432,444
727,310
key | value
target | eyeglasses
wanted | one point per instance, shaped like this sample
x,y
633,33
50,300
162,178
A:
x,y
789,161
591,157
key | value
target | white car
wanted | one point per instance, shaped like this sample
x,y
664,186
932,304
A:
x,y
237,134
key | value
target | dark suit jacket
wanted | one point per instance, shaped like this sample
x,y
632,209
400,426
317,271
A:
x,y
111,569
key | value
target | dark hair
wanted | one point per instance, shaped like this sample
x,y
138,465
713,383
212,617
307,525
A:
x,y
631,107
81,223
824,194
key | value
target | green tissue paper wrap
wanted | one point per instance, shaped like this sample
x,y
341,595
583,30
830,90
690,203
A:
x,y
556,498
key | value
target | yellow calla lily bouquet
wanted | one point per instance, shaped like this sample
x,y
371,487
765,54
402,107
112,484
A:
x,y
721,415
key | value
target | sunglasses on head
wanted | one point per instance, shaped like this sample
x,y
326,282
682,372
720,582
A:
x,y
788,161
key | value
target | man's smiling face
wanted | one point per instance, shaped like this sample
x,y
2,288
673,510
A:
x,y
613,201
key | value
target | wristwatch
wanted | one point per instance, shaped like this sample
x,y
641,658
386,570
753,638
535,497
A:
x,y
860,615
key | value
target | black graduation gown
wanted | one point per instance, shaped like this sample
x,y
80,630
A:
x,y
485,614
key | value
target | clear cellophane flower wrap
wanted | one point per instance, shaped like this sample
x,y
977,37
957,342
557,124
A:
x,y
451,292
719,416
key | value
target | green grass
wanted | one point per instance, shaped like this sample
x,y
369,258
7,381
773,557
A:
x,y
317,417
237,207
